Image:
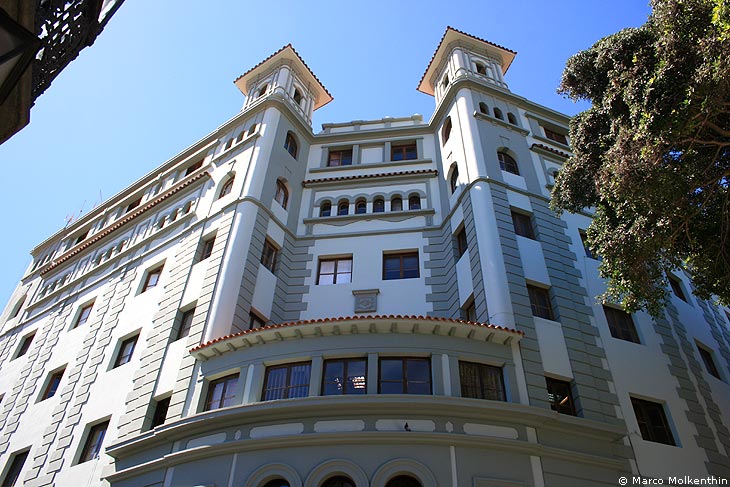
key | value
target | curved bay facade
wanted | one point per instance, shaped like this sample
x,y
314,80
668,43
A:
x,y
385,303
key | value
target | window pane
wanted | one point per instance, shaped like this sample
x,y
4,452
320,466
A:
x,y
391,369
325,279
418,369
327,267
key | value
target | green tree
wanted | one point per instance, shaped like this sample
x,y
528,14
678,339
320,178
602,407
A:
x,y
652,154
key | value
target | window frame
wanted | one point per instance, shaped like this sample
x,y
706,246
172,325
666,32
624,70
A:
x,y
325,209
402,270
149,283
288,386
396,203
645,413
93,442
343,208
540,302
482,390
227,187
446,130
25,344
185,323
507,163
193,167
269,255
281,195
339,157
361,203
462,245
335,273
676,284
15,468
708,359
618,320
346,362
52,384
291,145
124,355
558,137
414,198
454,179
229,382
404,375
522,225
83,315
404,151
206,248
379,205
551,383
586,247
158,419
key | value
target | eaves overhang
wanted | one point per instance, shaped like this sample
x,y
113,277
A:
x,y
354,325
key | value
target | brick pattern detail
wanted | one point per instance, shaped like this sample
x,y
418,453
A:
x,y
689,372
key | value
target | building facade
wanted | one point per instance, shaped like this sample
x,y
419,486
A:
x,y
385,303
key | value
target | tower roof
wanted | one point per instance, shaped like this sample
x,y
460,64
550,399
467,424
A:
x,y
285,54
469,41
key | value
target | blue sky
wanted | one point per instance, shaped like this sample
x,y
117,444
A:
x,y
161,77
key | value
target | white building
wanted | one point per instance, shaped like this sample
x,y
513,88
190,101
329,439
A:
x,y
383,303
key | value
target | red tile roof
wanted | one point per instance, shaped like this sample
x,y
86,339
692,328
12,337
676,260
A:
x,y
433,172
354,318
550,149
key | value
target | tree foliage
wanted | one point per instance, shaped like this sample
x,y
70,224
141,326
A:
x,y
652,154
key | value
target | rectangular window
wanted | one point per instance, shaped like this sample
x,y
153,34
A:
x,y
81,237
255,321
152,278
470,311
83,315
403,152
287,381
344,376
461,243
652,421
481,381
340,158
160,414
16,466
126,349
134,204
523,225
25,345
556,136
335,271
221,392
709,361
560,396
191,169
53,382
186,321
540,302
405,376
400,266
268,257
621,324
586,246
206,248
676,285
94,441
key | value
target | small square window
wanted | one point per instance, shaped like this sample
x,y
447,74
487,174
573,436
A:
x,y
481,381
461,243
709,361
186,321
403,152
523,225
206,249
160,414
652,421
12,476
400,266
344,376
621,324
152,278
560,396
286,381
221,392
52,386
94,442
25,344
339,158
676,285
126,349
405,376
268,256
540,302
83,316
335,271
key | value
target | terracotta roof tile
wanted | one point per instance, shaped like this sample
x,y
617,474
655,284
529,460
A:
x,y
353,318
550,149
433,172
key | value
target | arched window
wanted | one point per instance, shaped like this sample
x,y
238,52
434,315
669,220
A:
x,y
290,144
282,194
361,206
396,204
446,130
325,209
297,96
403,481
378,205
277,483
338,481
481,68
498,113
343,207
454,179
511,118
483,108
226,188
507,163
414,202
